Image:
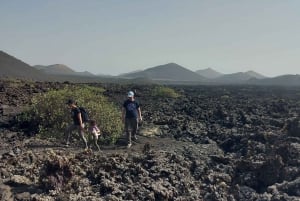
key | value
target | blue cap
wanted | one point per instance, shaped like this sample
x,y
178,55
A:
x,y
130,94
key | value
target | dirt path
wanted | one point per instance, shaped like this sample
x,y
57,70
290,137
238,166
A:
x,y
155,143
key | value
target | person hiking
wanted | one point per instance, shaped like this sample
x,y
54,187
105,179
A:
x,y
94,133
131,115
77,124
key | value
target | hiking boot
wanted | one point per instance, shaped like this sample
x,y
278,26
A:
x,y
129,145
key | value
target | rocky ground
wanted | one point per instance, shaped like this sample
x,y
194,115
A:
x,y
213,143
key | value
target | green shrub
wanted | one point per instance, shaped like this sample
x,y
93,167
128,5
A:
x,y
50,115
162,91
225,97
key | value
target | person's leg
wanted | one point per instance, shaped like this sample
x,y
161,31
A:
x,y
134,126
95,136
68,132
90,139
128,133
81,134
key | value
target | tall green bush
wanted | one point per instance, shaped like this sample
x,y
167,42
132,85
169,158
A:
x,y
51,115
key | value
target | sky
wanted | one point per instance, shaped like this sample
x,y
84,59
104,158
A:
x,y
120,36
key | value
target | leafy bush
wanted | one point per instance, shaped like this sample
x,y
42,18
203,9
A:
x,y
162,91
49,115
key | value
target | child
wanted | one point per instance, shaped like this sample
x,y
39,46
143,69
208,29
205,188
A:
x,y
94,131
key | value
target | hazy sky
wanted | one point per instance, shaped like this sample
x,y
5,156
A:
x,y
118,36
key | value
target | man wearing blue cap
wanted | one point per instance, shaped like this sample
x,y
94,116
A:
x,y
131,115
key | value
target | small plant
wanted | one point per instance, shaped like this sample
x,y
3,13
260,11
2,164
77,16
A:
x,y
225,97
49,115
162,91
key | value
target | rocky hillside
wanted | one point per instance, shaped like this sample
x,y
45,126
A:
x,y
14,68
212,143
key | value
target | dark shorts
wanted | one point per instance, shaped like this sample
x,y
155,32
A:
x,y
131,124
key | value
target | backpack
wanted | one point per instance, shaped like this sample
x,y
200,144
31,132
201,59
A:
x,y
84,114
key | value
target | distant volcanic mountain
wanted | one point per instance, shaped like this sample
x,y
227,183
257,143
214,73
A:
x,y
282,80
167,72
209,73
239,77
61,69
55,69
255,74
11,67
15,68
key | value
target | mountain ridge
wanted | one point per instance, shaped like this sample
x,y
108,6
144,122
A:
x,y
55,69
209,73
239,77
281,80
61,69
169,73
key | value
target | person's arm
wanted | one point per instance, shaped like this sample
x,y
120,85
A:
x,y
97,129
139,113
